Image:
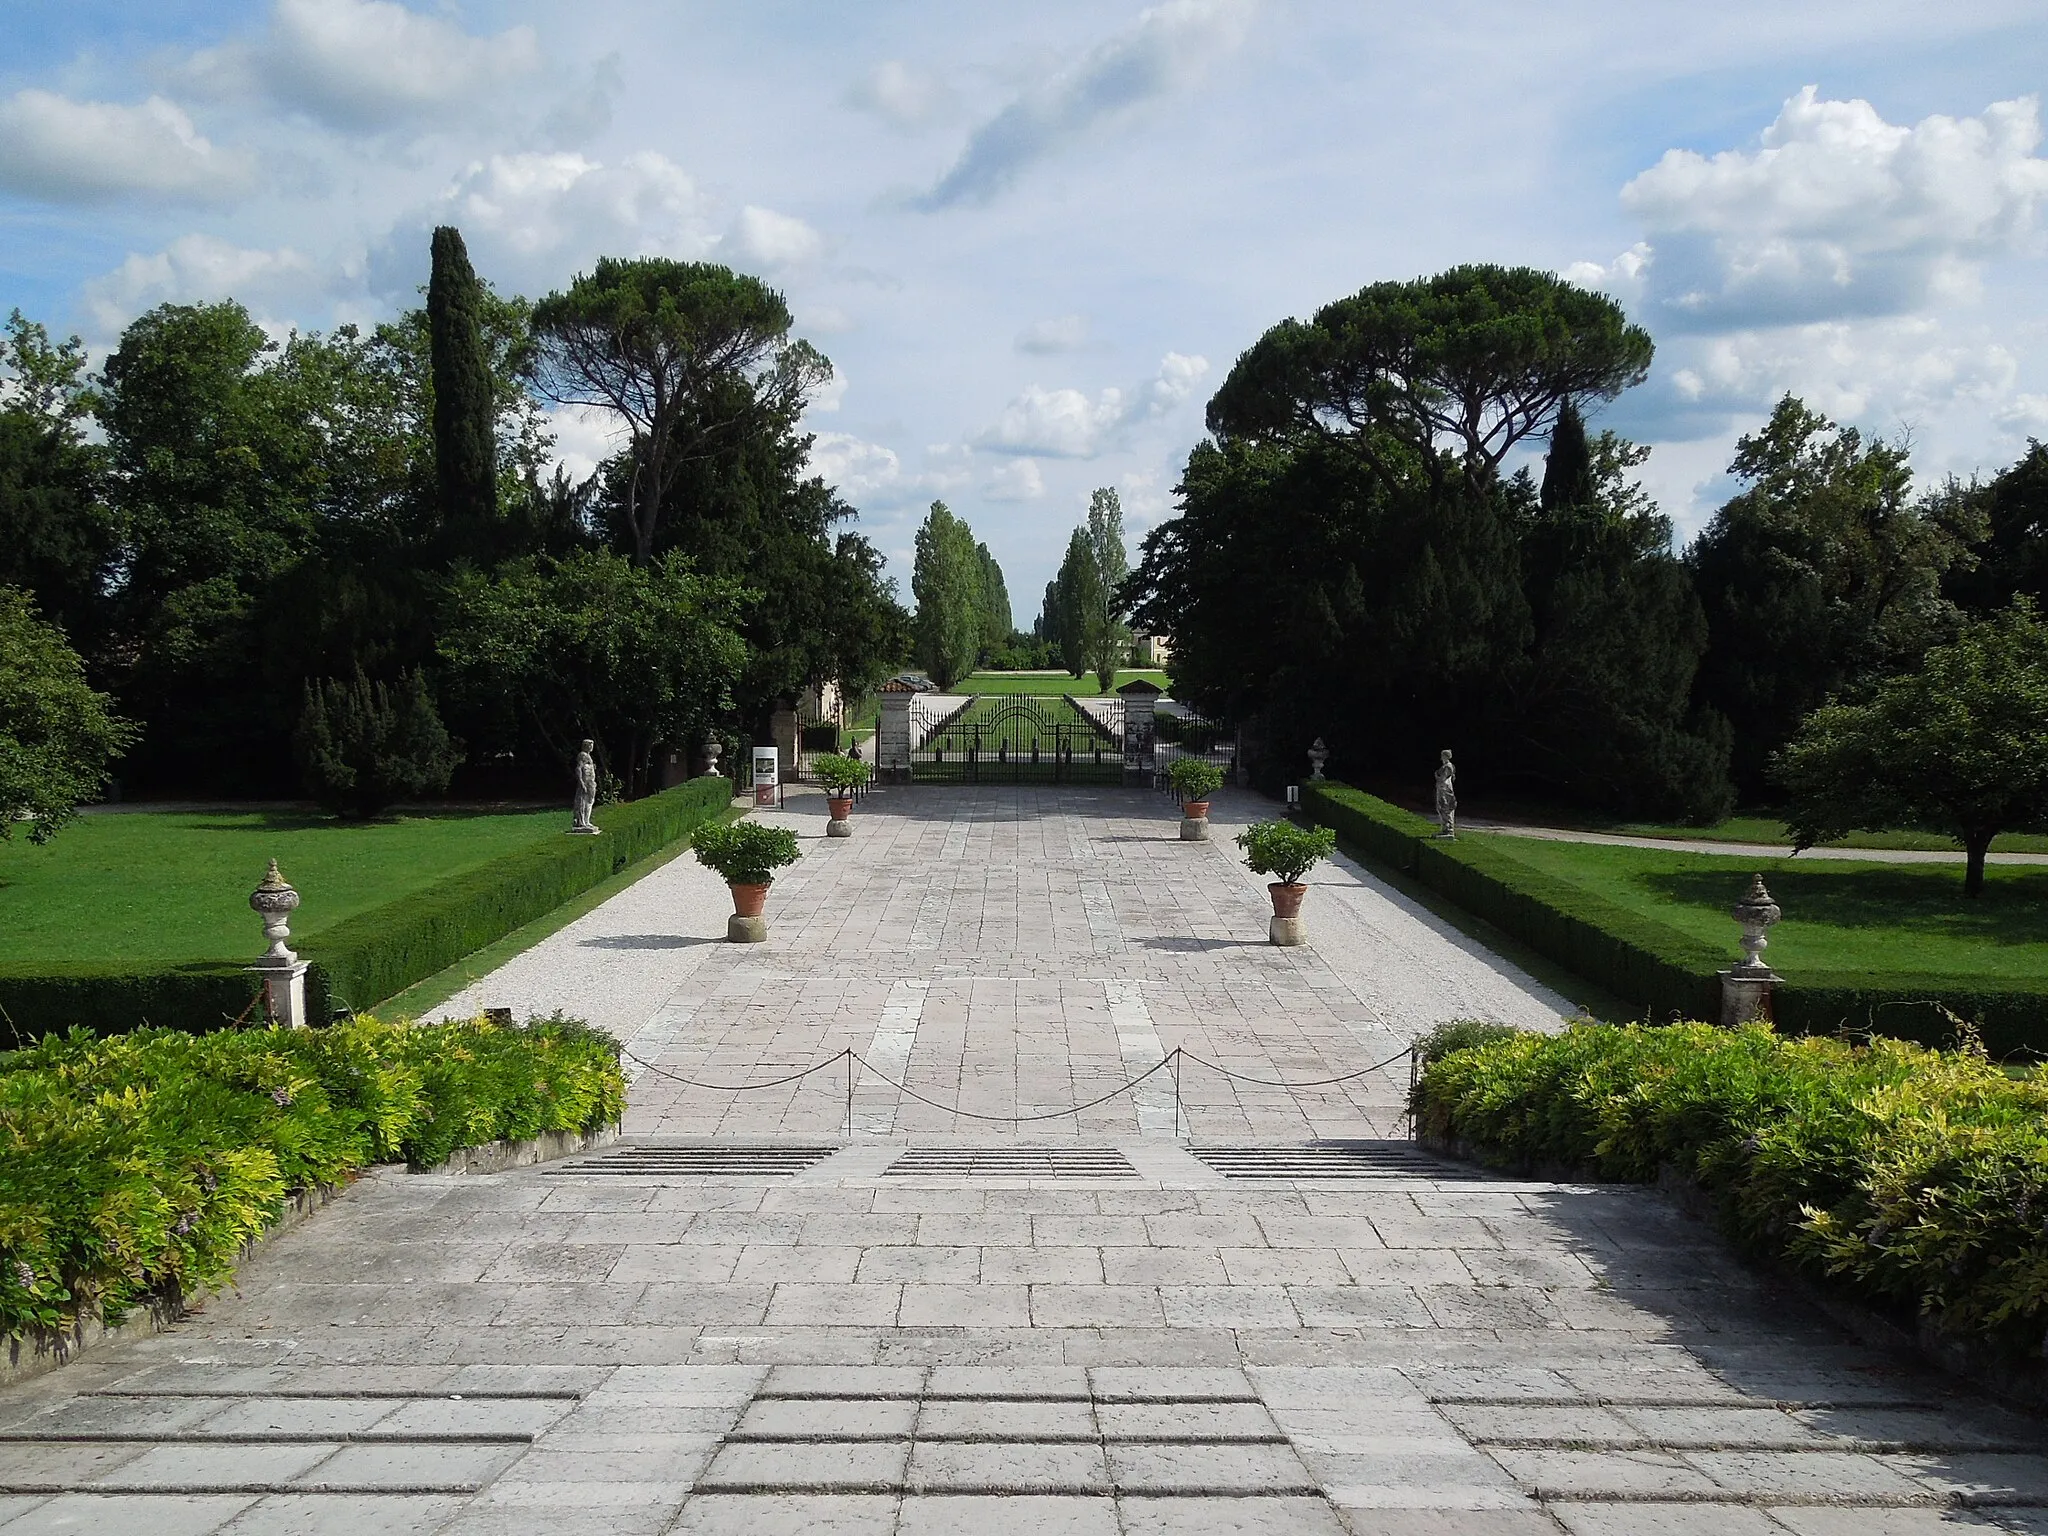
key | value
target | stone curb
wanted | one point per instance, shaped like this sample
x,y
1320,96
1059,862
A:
x,y
2021,1379
40,1351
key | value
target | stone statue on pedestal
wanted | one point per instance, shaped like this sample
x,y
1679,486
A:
x,y
585,800
1446,795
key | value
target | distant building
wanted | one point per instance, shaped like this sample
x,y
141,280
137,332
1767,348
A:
x,y
1150,650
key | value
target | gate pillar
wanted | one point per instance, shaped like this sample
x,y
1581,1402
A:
x,y
1139,697
892,732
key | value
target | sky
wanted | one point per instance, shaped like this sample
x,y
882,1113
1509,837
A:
x,y
1033,239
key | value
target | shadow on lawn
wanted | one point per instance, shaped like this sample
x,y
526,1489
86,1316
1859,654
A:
x,y
315,821
1925,899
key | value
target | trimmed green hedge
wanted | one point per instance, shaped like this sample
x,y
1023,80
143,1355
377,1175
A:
x,y
1652,966
379,953
135,1166
1913,1178
376,954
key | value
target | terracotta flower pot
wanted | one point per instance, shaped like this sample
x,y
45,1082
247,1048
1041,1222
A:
x,y
1287,899
1194,810
841,806
750,900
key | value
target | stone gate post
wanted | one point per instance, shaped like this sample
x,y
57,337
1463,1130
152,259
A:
x,y
892,734
1139,699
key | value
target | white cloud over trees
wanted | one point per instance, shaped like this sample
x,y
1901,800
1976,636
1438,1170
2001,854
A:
x,y
64,151
1068,424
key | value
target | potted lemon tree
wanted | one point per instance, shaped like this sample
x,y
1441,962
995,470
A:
x,y
841,776
1282,849
746,855
1194,780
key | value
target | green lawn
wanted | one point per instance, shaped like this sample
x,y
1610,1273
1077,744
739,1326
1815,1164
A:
x,y
1054,683
1881,919
169,887
1769,829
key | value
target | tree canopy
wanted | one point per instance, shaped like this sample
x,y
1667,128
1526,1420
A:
x,y
56,734
1481,356
949,582
689,356
1957,746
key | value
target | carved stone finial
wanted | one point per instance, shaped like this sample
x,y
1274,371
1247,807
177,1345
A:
x,y
1318,755
274,901
1755,913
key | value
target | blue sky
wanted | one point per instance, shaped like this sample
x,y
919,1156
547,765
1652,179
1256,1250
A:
x,y
1032,239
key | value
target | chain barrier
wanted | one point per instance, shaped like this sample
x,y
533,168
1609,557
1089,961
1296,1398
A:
x,y
1172,1061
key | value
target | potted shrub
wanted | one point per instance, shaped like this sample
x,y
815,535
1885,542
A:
x,y
841,776
746,854
1283,849
1194,780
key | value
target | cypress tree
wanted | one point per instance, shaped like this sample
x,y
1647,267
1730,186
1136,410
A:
x,y
1568,467
465,408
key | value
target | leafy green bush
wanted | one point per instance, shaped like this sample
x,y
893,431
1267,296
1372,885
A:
x,y
746,852
133,1165
1460,1035
362,746
1283,850
1194,778
839,773
1916,1178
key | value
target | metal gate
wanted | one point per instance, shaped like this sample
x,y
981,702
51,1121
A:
x,y
1023,739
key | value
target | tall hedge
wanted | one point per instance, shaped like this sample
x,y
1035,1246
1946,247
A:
x,y
374,955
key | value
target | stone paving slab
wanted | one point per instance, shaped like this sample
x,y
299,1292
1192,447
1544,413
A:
x,y
562,1351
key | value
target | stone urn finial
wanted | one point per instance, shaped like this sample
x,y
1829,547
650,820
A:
x,y
713,750
1755,912
1317,756
275,901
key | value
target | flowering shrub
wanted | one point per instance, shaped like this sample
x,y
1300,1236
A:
x,y
136,1164
1917,1178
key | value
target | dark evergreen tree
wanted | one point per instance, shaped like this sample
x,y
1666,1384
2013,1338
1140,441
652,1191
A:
x,y
1568,467
2012,559
465,398
363,746
996,622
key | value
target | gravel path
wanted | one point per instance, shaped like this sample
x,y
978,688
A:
x,y
1744,850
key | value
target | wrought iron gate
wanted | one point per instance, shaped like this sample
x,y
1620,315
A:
x,y
1024,739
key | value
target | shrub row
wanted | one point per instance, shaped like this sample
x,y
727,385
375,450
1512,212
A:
x,y
1653,967
1916,1179
376,954
1638,959
136,1165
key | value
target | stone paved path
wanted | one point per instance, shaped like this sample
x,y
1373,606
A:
x,y
645,1341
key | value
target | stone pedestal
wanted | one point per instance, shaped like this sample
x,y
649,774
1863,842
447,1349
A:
x,y
1194,829
839,829
581,832
746,930
1287,931
284,988
1746,995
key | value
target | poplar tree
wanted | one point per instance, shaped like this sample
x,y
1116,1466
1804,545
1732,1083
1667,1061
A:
x,y
946,579
996,622
1106,639
465,405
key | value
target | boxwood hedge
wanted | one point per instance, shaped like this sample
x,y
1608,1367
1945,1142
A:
x,y
137,1165
1662,972
376,954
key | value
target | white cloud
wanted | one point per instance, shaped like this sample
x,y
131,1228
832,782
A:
x,y
1067,424
1018,480
771,239
903,96
855,466
1896,368
1168,49
831,393
2025,416
533,220
584,438
367,64
195,268
1062,333
83,151
1837,213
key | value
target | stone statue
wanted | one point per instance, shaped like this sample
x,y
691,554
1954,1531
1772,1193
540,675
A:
x,y
586,791
1446,795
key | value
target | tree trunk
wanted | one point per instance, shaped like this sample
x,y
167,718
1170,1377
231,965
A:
x,y
1974,849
